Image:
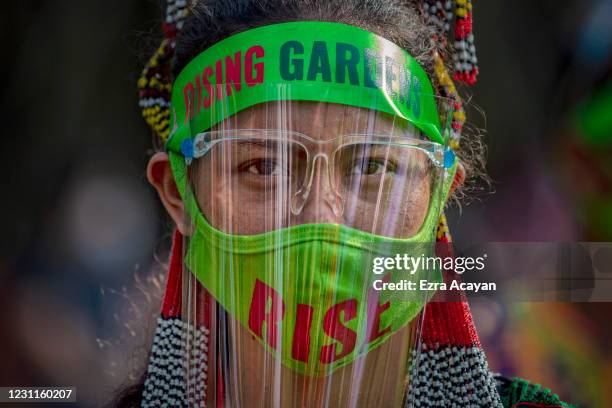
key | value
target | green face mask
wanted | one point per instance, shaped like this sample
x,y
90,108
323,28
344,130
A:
x,y
307,292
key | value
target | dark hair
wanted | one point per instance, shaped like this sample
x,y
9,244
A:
x,y
402,22
211,21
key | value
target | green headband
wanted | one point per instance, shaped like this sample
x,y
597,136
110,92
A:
x,y
324,62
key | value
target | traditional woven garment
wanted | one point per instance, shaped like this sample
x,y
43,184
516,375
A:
x,y
449,366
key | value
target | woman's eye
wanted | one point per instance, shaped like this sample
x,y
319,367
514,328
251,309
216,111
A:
x,y
372,167
263,167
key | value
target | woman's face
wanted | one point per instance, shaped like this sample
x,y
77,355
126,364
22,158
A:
x,y
250,187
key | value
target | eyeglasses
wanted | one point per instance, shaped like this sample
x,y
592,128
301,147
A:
x,y
355,174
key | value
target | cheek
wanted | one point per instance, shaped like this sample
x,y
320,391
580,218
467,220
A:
x,y
395,214
223,212
423,201
416,209
213,201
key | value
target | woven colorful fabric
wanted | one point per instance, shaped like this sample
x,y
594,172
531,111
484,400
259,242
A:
x,y
519,393
178,347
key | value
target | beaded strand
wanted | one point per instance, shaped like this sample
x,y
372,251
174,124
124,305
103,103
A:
x,y
155,82
464,56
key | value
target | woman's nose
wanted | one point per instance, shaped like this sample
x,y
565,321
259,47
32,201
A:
x,y
322,203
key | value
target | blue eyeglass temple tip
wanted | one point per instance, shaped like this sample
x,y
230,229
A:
x,y
187,148
449,158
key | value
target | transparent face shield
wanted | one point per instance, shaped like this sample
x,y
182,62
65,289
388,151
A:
x,y
294,209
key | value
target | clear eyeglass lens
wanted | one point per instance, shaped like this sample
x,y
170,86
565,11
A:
x,y
279,182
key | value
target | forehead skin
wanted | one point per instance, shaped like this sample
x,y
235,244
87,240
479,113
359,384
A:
x,y
321,121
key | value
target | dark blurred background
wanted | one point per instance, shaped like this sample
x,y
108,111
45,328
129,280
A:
x,y
81,262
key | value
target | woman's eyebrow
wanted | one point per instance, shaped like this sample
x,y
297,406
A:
x,y
263,144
